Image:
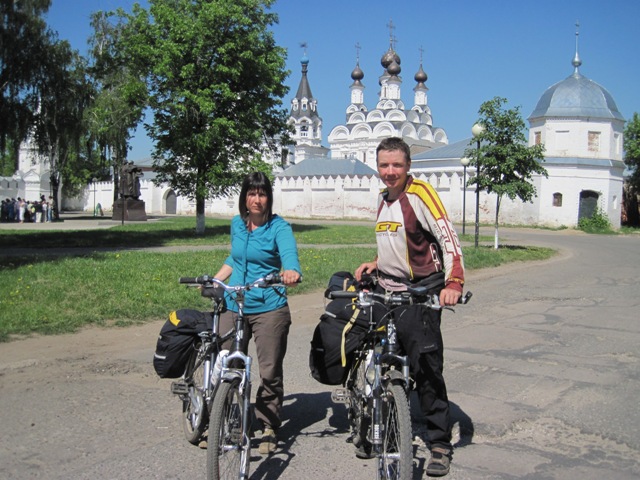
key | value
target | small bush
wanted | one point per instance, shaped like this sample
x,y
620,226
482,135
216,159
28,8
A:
x,y
596,223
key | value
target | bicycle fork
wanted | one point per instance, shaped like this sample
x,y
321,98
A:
x,y
389,356
244,388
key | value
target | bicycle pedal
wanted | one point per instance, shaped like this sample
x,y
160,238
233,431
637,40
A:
x,y
340,395
179,388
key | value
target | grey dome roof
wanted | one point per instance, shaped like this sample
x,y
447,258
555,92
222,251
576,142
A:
x,y
357,73
578,97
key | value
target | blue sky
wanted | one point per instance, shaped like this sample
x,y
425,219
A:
x,y
473,51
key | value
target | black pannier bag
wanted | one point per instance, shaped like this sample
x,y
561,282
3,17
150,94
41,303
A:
x,y
341,329
176,340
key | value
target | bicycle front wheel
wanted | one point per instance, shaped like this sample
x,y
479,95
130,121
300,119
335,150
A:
x,y
359,416
396,460
229,445
194,409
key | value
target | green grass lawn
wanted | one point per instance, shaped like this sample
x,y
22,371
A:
x,y
49,294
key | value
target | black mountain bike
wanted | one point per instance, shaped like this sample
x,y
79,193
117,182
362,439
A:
x,y
378,383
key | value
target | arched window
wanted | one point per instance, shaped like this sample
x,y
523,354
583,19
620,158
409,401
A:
x,y
557,199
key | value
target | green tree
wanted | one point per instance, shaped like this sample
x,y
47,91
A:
x,y
8,159
632,150
507,164
632,160
24,49
63,95
120,98
216,82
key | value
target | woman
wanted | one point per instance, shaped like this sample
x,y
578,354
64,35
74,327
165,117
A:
x,y
263,243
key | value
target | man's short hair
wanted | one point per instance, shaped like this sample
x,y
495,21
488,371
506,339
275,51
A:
x,y
393,144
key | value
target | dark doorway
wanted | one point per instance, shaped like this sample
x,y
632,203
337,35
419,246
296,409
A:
x,y
588,204
170,202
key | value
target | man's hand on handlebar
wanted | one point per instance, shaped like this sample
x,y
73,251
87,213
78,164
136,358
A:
x,y
449,296
367,267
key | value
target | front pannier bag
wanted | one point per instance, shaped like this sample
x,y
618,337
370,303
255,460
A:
x,y
341,329
176,340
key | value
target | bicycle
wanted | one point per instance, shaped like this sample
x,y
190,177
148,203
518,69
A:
x,y
229,412
197,385
378,382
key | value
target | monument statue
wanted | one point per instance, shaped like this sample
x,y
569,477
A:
x,y
130,181
129,206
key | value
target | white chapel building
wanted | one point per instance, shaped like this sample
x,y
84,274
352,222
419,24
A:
x,y
581,128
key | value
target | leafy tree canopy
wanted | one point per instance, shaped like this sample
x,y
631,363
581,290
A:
x,y
24,50
216,81
507,163
632,151
64,93
120,94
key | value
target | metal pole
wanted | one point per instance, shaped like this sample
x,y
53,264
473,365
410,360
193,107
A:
x,y
94,197
464,198
477,194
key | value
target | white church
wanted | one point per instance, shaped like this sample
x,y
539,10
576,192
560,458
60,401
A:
x,y
576,119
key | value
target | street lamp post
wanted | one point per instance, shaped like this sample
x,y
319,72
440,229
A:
x,y
95,187
476,130
464,161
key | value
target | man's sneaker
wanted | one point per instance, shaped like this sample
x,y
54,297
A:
x,y
362,448
269,443
439,463
364,453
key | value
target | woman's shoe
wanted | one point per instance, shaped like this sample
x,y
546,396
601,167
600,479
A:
x,y
269,443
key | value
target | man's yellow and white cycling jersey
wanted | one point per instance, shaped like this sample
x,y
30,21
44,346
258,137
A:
x,y
416,238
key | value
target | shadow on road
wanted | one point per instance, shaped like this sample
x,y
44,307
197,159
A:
x,y
302,411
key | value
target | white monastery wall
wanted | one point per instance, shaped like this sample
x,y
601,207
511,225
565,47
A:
x,y
340,197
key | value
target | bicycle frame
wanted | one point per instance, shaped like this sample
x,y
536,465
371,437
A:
x,y
229,444
229,373
196,388
391,371
381,362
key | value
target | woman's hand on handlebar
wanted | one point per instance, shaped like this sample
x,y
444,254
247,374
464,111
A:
x,y
290,278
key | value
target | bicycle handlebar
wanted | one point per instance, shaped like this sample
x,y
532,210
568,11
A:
x,y
412,296
207,281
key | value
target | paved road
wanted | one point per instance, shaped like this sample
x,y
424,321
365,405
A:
x,y
543,370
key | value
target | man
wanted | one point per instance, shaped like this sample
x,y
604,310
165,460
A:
x,y
417,244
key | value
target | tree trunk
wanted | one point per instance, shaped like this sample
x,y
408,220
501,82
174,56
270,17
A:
x,y
55,188
630,214
200,223
496,243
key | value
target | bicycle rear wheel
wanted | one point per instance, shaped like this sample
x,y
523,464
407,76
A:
x,y
396,460
195,413
229,445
